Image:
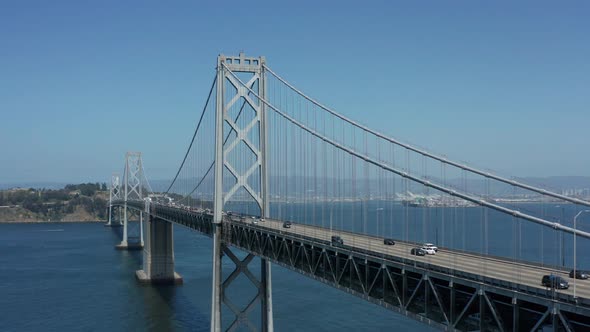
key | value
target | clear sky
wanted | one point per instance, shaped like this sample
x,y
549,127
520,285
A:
x,y
501,85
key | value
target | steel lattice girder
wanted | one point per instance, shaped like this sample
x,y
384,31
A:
x,y
414,292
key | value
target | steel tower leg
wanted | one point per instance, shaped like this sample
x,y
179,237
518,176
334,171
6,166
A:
x,y
141,228
124,241
225,67
110,214
216,294
265,273
266,289
217,203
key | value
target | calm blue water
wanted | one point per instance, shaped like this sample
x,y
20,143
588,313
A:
x,y
64,277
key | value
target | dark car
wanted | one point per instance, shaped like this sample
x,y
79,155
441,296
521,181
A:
x,y
337,240
417,252
388,242
286,224
580,274
554,282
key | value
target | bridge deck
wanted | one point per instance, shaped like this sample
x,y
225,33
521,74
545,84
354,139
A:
x,y
516,272
469,274
503,269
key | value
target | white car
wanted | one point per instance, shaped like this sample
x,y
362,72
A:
x,y
429,250
430,245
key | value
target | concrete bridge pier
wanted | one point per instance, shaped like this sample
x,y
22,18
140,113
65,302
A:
x,y
158,254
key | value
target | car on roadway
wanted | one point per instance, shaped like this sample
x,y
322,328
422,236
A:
x,y
554,281
254,221
417,252
431,246
286,224
429,250
388,242
580,274
261,219
337,240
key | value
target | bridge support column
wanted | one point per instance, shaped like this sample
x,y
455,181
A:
x,y
158,254
481,309
554,318
452,303
125,244
216,287
141,228
221,296
426,294
266,296
404,288
515,314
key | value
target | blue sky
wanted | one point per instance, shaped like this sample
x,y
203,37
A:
x,y
501,85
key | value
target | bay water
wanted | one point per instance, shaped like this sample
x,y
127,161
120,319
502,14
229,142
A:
x,y
69,277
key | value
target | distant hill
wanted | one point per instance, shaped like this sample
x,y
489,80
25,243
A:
x,y
46,185
559,182
82,202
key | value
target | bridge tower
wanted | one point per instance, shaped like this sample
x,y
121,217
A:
x,y
251,178
133,190
114,195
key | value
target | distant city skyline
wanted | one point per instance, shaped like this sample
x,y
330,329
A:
x,y
502,86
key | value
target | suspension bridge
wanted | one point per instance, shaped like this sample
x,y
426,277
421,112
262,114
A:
x,y
272,173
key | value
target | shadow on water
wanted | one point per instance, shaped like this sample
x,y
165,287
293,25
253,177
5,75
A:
x,y
165,307
118,231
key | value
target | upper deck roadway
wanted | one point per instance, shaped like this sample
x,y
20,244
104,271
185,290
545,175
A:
x,y
502,269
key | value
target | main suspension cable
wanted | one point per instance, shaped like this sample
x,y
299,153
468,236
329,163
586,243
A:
x,y
428,154
194,135
213,163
